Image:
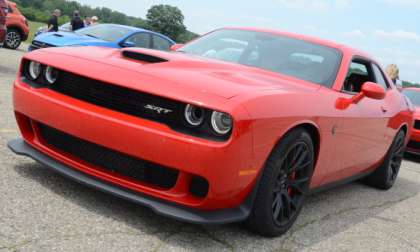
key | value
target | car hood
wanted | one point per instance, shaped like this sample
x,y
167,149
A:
x,y
175,72
68,38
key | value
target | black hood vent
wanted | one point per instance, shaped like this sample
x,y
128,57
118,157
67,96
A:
x,y
143,57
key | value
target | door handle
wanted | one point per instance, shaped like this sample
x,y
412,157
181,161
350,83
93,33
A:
x,y
384,109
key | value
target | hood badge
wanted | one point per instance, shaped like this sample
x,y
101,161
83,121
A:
x,y
157,109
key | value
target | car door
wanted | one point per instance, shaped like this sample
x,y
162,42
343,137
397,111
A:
x,y
361,133
141,39
159,43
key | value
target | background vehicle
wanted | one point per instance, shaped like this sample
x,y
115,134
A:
x,y
414,95
3,13
65,28
17,27
237,125
107,35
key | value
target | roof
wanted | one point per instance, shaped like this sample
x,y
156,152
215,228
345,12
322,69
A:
x,y
137,29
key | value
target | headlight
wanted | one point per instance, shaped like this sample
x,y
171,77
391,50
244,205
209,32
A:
x,y
51,74
34,70
194,115
221,122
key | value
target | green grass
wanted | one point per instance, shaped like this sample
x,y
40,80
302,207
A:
x,y
33,27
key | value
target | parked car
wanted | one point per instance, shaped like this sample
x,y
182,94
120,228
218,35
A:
x,y
106,35
17,27
3,13
240,124
65,27
414,95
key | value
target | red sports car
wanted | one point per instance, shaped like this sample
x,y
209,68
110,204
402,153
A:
x,y
414,95
240,124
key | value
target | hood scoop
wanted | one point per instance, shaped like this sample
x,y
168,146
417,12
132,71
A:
x,y
143,57
58,35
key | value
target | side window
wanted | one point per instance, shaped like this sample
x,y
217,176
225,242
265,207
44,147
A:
x,y
359,73
160,43
9,9
140,40
380,79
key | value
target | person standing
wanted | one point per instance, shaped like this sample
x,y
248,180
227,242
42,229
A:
x,y
53,22
88,21
393,72
77,22
94,20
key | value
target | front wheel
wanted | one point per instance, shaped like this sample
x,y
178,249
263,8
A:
x,y
385,176
283,185
13,39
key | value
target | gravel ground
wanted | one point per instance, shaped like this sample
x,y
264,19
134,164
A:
x,y
42,211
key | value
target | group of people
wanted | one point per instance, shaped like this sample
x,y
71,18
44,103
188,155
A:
x,y
76,22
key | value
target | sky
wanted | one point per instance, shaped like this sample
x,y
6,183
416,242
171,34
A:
x,y
389,30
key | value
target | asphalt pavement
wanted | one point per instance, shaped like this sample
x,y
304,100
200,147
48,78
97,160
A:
x,y
42,211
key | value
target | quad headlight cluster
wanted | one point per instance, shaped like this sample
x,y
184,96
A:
x,y
34,71
220,123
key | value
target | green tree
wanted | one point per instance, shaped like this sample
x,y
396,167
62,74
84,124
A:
x,y
167,20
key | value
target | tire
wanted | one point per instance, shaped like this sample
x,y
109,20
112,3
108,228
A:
x,y
283,185
13,39
385,175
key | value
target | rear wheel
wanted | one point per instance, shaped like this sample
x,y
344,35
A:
x,y
284,184
385,176
13,39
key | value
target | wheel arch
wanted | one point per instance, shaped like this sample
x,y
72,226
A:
x,y
16,27
313,130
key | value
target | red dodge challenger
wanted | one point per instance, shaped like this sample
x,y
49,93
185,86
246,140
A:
x,y
240,124
414,144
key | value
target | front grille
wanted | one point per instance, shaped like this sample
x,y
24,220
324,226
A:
x,y
38,45
118,98
111,161
417,124
413,145
127,101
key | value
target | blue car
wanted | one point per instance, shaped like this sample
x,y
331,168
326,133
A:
x,y
107,35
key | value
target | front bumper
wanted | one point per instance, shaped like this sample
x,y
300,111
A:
x,y
224,216
229,167
414,143
2,36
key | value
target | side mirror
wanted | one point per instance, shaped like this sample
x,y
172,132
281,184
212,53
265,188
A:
x,y
369,89
127,44
373,91
175,47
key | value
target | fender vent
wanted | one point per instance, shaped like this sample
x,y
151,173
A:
x,y
143,57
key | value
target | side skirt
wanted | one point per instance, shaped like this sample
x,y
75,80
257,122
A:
x,y
340,182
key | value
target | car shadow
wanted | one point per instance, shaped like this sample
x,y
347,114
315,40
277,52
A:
x,y
325,214
412,157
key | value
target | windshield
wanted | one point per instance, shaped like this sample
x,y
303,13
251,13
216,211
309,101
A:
x,y
109,33
281,54
414,96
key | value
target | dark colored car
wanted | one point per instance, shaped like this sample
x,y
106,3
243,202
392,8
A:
x,y
3,11
17,27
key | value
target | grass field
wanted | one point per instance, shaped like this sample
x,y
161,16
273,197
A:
x,y
33,27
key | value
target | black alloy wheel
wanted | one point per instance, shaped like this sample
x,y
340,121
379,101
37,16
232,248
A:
x,y
292,183
284,184
386,175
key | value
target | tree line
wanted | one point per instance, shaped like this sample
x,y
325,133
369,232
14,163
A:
x,y
164,19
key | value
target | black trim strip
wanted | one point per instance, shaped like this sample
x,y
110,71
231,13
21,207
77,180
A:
x,y
20,147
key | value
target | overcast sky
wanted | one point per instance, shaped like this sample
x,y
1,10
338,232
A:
x,y
387,29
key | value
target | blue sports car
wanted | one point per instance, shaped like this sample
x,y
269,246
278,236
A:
x,y
107,35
